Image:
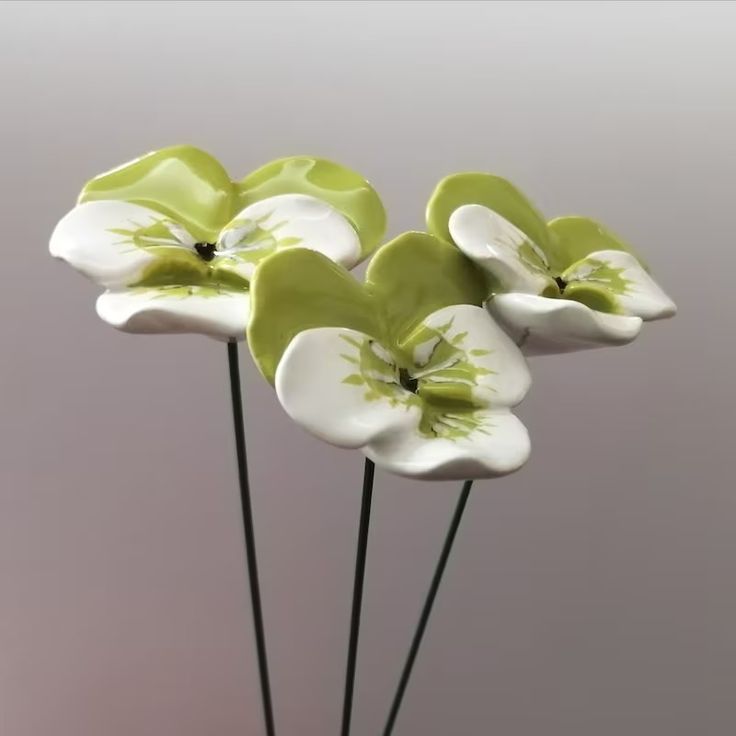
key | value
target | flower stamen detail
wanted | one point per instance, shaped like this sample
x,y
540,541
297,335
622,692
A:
x,y
206,251
407,381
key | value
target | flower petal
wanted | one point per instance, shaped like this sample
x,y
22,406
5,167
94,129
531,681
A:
x,y
297,289
493,192
503,250
344,189
416,274
183,182
499,446
574,237
343,387
483,358
286,221
223,316
541,325
97,238
320,384
632,289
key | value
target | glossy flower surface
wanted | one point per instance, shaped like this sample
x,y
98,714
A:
x,y
565,285
407,366
174,241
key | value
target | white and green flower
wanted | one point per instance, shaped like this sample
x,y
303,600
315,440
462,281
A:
x,y
174,241
565,285
406,367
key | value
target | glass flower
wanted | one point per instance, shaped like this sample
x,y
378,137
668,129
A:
x,y
565,285
174,241
406,367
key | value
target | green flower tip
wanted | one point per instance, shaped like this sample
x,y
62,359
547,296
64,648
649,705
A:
x,y
343,188
193,188
489,190
185,183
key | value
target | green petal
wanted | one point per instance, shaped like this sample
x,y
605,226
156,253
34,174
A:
x,y
575,237
343,188
599,298
298,289
182,182
491,191
182,269
416,274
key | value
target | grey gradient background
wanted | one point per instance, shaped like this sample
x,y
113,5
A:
x,y
591,593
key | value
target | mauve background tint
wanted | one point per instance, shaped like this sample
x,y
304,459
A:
x,y
591,593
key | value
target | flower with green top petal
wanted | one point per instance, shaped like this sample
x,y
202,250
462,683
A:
x,y
560,286
175,242
406,366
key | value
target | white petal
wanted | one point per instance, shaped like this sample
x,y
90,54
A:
x,y
306,222
640,295
493,242
541,326
223,316
84,238
310,384
502,447
488,347
323,385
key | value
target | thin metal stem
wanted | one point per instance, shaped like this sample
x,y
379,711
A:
x,y
365,517
250,543
427,608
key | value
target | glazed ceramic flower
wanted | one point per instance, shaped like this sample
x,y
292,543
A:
x,y
560,286
407,366
175,242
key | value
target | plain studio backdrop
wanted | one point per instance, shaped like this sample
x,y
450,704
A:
x,y
591,593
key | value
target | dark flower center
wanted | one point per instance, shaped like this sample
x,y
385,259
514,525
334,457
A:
x,y
406,380
206,251
561,284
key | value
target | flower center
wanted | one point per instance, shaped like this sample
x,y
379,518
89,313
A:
x,y
407,381
561,284
206,251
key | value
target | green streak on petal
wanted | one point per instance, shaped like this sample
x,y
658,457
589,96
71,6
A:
x,y
176,266
295,290
445,382
576,237
259,241
145,236
355,379
453,383
448,408
531,258
381,377
593,270
173,291
450,420
183,182
341,187
491,191
416,274
378,375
